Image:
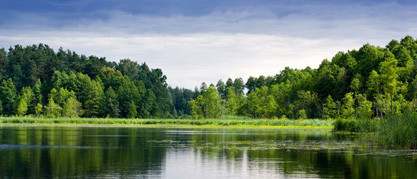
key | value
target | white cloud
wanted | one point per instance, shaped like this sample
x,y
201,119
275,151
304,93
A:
x,y
190,59
219,45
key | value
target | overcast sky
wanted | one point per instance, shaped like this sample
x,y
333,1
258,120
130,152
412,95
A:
x,y
206,40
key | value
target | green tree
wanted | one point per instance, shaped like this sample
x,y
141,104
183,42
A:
x,y
71,108
148,104
1,107
213,103
348,110
302,114
375,89
38,109
8,94
110,103
239,85
364,109
37,93
22,107
329,108
95,97
261,104
196,107
232,102
388,77
309,102
208,104
127,93
221,88
356,85
53,110
132,110
25,101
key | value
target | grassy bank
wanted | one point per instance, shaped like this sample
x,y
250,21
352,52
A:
x,y
393,131
398,132
311,123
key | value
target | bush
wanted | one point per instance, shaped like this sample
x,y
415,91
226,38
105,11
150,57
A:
x,y
356,125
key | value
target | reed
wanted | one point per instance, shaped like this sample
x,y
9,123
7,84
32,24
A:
x,y
236,122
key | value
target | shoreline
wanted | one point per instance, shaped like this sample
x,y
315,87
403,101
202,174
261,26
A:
x,y
159,126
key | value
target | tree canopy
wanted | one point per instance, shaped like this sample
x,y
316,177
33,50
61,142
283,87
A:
x,y
369,82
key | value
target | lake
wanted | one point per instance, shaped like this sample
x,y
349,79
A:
x,y
99,152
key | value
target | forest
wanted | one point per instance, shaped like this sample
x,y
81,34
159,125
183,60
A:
x,y
370,82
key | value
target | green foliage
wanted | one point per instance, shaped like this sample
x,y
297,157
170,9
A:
x,y
261,104
240,122
95,97
132,110
1,107
329,108
38,109
234,102
302,114
209,104
354,125
371,82
110,104
8,94
398,131
348,110
364,109
53,110
71,108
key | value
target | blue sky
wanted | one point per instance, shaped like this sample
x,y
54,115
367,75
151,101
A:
x,y
205,40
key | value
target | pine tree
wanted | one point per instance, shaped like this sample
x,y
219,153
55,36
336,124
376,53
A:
x,y
110,104
8,94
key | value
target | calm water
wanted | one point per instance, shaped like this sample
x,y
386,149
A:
x,y
69,152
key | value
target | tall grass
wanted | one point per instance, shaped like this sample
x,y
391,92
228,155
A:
x,y
356,125
398,131
232,121
393,131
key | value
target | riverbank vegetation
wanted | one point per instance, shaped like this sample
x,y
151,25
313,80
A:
x,y
397,132
231,122
394,131
371,83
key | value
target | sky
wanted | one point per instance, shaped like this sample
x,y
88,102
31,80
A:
x,y
195,41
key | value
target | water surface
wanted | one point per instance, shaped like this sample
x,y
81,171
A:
x,y
67,152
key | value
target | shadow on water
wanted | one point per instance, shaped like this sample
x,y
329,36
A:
x,y
46,152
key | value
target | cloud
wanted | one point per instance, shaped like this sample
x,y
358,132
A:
x,y
190,59
221,42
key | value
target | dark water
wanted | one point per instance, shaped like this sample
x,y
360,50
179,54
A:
x,y
83,152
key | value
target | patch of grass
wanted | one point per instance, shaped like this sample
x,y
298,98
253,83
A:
x,y
398,131
393,131
307,123
356,125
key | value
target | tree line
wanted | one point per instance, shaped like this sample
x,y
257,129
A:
x,y
36,80
369,82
